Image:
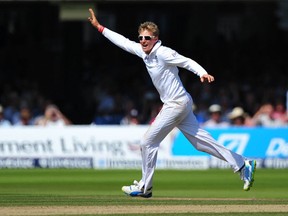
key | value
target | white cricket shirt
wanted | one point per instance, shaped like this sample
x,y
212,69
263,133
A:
x,y
162,65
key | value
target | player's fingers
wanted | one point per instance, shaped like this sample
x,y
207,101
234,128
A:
x,y
211,78
207,78
204,78
89,18
91,11
92,14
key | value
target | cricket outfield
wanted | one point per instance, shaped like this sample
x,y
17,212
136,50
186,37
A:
x,y
176,192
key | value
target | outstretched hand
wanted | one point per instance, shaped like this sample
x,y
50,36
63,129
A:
x,y
207,77
93,19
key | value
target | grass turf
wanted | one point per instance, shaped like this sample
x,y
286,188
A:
x,y
88,187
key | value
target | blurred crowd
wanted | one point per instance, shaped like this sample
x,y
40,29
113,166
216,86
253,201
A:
x,y
213,108
114,95
81,86
52,116
268,115
29,107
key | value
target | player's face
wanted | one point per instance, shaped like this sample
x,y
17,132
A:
x,y
147,41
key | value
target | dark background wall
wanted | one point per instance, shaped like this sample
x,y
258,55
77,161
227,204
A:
x,y
67,62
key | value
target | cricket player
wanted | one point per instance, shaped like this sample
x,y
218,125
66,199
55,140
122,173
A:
x,y
162,65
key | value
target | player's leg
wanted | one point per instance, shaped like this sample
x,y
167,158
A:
x,y
168,118
204,142
150,145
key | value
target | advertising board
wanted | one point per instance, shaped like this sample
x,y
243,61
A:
x,y
118,147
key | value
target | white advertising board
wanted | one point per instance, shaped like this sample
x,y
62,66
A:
x,y
86,147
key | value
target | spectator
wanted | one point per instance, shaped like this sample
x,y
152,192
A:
x,y
53,117
239,118
264,117
25,117
131,118
11,107
3,122
280,113
215,119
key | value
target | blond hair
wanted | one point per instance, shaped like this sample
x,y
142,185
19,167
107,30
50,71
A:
x,y
149,26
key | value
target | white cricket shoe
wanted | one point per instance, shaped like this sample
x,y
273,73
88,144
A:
x,y
136,190
247,174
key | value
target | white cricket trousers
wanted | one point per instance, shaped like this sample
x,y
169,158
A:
x,y
180,115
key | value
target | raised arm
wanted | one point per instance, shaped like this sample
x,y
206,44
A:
x,y
93,20
174,58
116,38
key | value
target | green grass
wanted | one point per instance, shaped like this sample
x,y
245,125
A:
x,y
88,187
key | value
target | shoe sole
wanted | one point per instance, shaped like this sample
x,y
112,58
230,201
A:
x,y
139,195
254,165
146,195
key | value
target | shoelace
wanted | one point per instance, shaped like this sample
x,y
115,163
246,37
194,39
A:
x,y
136,183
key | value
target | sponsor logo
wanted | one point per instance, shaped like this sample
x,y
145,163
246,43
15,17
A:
x,y
276,163
8,162
54,162
234,142
278,147
62,162
184,163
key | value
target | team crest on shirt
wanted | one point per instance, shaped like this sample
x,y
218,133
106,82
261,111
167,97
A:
x,y
156,59
151,61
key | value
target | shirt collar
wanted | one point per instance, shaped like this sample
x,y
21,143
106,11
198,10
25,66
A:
x,y
155,47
